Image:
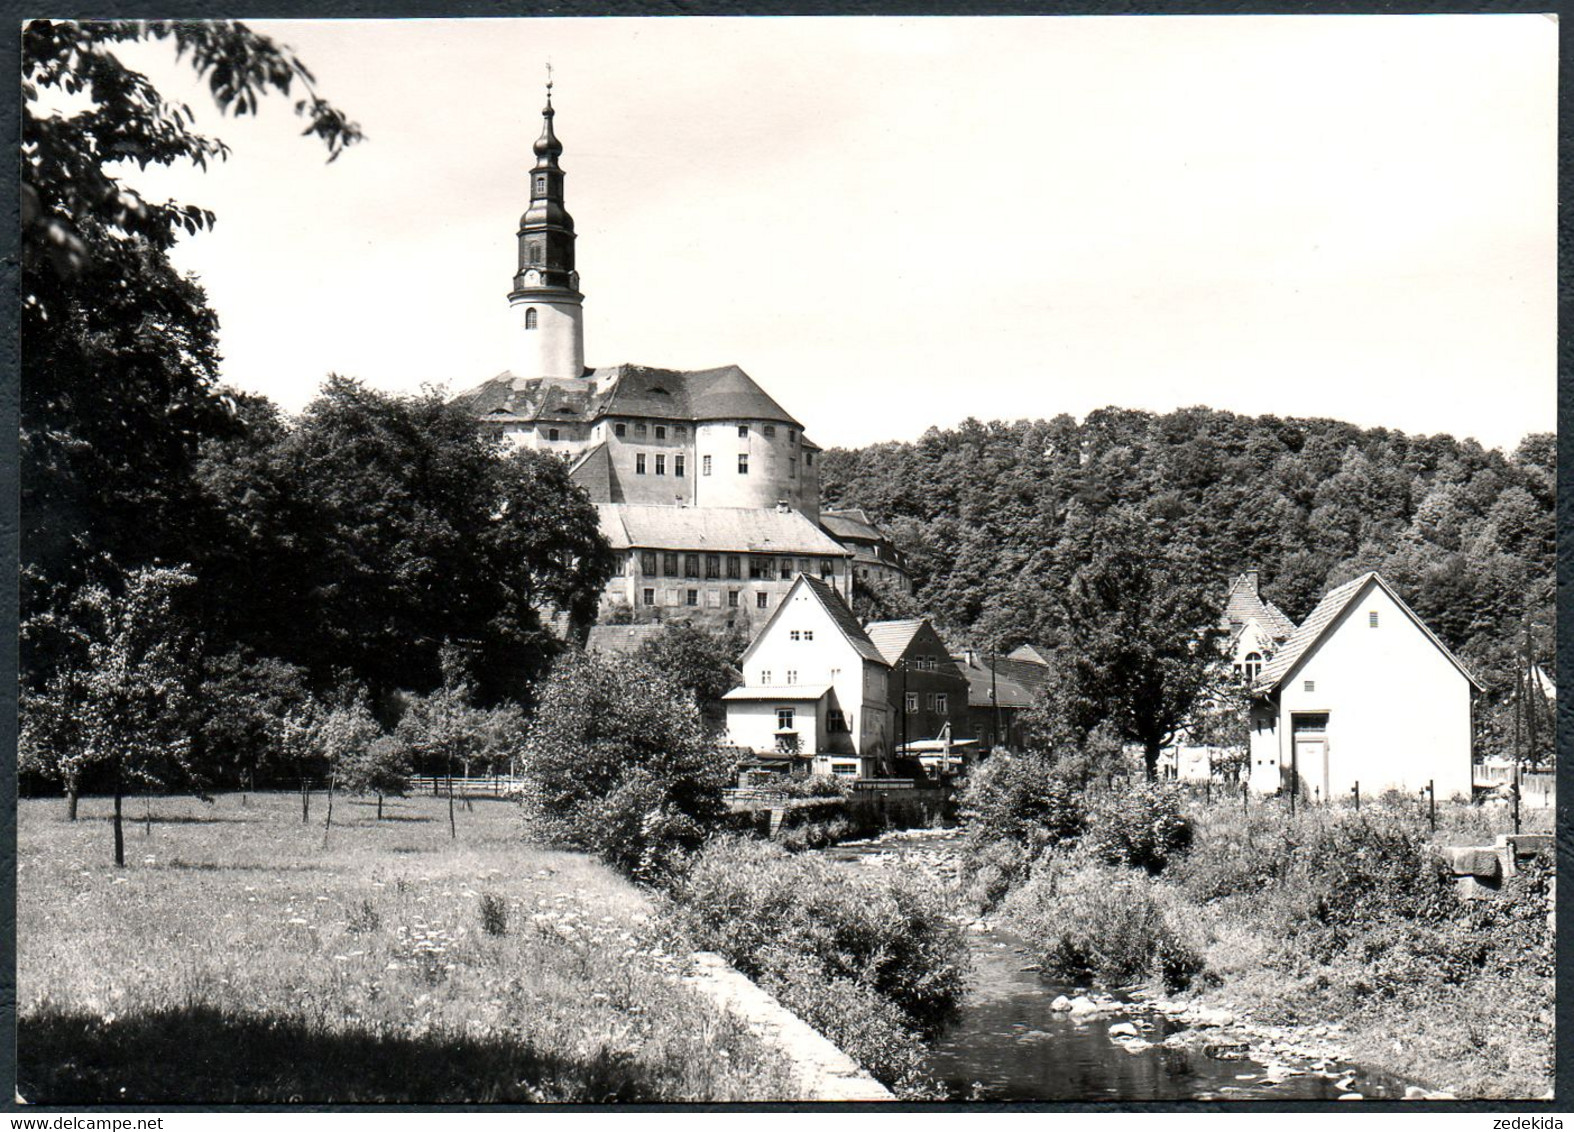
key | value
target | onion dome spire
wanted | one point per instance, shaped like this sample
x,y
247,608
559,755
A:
x,y
548,149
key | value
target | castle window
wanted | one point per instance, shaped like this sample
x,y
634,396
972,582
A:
x,y
704,465
620,429
743,430
680,431
552,434
808,459
535,253
650,597
661,465
734,566
713,565
759,567
732,599
617,566
691,565
530,318
770,432
827,568
647,562
792,468
669,563
661,432
792,436
941,702
762,601
639,463
786,568
639,428
677,465
743,463
911,703
692,598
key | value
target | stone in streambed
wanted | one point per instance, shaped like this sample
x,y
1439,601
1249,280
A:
x,y
1123,1029
1061,1004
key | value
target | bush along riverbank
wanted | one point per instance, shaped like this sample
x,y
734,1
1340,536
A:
x,y
1306,943
874,963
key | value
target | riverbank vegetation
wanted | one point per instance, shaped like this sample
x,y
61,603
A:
x,y
1325,916
238,960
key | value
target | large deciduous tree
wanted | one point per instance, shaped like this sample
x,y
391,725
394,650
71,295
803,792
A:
x,y
380,526
1141,633
119,354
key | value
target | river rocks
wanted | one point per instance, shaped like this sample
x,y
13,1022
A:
x,y
1414,1093
1134,1045
1061,1004
1082,1006
1351,1097
1123,1029
1226,1049
1203,1017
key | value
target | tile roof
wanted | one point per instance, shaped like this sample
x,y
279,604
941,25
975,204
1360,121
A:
x,y
723,529
893,637
1245,602
980,685
724,393
594,472
1027,653
1322,619
620,638
851,524
843,617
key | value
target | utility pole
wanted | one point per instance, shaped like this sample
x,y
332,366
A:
x,y
1533,688
994,690
903,663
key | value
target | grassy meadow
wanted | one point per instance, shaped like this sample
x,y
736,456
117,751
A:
x,y
237,960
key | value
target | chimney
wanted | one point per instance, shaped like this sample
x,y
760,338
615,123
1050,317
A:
x,y
783,507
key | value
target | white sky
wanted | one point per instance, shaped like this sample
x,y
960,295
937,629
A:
x,y
896,223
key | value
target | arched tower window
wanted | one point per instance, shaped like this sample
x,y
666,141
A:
x,y
530,318
1251,666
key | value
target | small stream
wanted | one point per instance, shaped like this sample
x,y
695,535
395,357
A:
x,y
1008,1045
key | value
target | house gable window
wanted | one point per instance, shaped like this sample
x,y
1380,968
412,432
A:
x,y
942,702
765,676
1371,621
792,676
704,465
784,718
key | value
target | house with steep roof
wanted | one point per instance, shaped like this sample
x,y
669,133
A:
x,y
814,686
999,690
1362,692
928,693
713,565
1255,626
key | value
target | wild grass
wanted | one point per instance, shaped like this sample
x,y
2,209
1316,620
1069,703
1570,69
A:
x,y
236,959
1327,916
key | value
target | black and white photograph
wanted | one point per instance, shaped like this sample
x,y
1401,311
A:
x,y
972,561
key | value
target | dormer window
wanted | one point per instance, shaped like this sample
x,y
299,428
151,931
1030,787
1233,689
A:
x,y
530,318
661,432
1251,666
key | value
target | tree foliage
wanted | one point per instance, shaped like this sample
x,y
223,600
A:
x,y
617,761
988,516
119,351
376,527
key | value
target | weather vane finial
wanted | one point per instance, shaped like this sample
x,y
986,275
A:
x,y
549,80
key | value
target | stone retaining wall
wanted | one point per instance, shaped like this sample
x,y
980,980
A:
x,y
824,1071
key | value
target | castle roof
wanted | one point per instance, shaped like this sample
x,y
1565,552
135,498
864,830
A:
x,y
724,393
852,523
733,530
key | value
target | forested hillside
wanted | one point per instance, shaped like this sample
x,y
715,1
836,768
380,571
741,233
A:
x,y
996,518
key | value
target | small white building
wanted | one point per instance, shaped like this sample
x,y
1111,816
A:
x,y
814,686
1363,692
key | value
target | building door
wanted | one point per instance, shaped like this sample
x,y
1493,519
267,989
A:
x,y
1309,735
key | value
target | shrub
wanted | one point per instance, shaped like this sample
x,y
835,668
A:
x,y
616,761
1018,798
754,903
1363,870
494,914
1086,921
1142,827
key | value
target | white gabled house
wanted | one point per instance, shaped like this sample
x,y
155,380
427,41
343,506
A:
x,y
1362,692
814,686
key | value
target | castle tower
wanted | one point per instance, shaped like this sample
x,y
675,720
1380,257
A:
x,y
546,298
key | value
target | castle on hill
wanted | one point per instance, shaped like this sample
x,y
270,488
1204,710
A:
x,y
708,490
